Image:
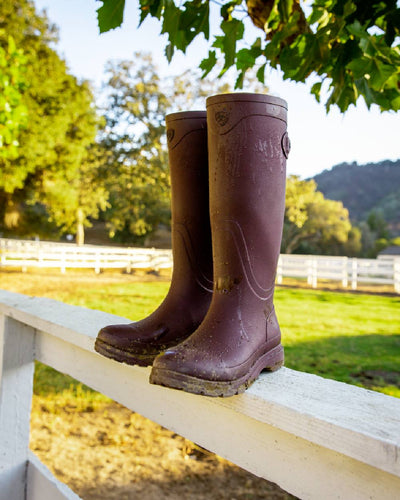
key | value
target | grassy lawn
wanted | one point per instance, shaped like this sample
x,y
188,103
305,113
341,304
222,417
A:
x,y
354,338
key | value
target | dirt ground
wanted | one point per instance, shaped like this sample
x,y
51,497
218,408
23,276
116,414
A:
x,y
111,453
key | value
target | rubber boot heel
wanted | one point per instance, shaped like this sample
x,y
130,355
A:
x,y
275,359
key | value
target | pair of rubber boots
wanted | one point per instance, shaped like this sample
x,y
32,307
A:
x,y
217,330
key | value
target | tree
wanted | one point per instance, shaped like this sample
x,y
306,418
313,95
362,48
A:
x,y
13,113
375,234
52,167
136,168
136,101
311,219
72,201
350,47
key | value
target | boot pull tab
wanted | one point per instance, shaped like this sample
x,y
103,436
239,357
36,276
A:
x,y
285,143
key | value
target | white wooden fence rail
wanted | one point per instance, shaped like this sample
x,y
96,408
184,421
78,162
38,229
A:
x,y
26,253
316,438
348,271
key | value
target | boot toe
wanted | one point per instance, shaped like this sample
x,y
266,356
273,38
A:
x,y
170,359
116,335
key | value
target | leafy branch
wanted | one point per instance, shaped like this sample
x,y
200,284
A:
x,y
350,47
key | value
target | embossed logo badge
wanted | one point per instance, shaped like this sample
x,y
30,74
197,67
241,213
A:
x,y
222,117
170,134
285,144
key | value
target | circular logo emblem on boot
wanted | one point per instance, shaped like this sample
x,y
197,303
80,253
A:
x,y
285,142
170,134
222,117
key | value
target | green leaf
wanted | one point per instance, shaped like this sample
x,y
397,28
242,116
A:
x,y
218,42
316,90
348,8
318,13
297,61
343,95
152,7
392,26
183,24
272,50
169,52
156,7
395,104
357,30
257,45
240,80
360,67
261,73
228,8
194,19
110,15
245,59
207,64
380,74
170,23
233,31
367,93
285,9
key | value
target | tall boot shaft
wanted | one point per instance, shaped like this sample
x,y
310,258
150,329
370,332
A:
x,y
248,146
191,234
189,295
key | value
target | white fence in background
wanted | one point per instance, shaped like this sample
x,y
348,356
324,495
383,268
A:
x,y
26,253
347,271
316,438
314,268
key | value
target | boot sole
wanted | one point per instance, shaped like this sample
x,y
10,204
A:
x,y
121,356
270,361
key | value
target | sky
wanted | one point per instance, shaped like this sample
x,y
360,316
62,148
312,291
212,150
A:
x,y
319,140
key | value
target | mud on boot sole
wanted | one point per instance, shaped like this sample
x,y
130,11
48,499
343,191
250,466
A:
x,y
130,358
270,361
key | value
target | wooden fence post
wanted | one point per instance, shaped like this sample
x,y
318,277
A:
x,y
63,262
314,279
16,382
97,265
354,268
309,264
345,272
396,274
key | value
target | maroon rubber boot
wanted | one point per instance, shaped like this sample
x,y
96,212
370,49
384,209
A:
x,y
240,336
190,292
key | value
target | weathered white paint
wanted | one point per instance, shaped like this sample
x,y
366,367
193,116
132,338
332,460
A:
x,y
316,438
42,485
16,378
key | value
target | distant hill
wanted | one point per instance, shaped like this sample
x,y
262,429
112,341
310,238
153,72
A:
x,y
364,188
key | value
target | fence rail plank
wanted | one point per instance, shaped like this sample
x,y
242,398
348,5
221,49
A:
x,y
42,485
316,438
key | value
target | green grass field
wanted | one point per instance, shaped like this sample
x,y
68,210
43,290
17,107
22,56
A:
x,y
354,338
